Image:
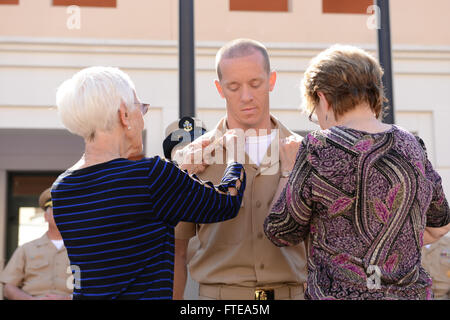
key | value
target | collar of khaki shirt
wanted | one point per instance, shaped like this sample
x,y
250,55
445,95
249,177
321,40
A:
x,y
282,133
45,240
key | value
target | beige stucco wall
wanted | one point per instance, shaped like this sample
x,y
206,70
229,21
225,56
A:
x,y
132,19
413,22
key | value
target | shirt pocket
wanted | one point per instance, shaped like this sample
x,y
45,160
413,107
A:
x,y
230,232
37,265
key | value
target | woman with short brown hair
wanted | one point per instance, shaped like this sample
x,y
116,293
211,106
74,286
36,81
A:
x,y
364,191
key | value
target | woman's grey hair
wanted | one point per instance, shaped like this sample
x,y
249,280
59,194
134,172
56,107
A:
x,y
91,99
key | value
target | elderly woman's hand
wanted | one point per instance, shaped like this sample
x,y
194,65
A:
x,y
288,153
197,156
232,143
193,156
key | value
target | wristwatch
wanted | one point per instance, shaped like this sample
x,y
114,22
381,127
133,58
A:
x,y
285,174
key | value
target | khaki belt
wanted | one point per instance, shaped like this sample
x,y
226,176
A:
x,y
242,293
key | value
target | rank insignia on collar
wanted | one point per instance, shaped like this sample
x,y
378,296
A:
x,y
187,126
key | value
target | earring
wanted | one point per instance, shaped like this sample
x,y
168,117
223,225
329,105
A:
x,y
129,127
326,117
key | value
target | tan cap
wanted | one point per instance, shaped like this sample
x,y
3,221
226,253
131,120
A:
x,y
44,198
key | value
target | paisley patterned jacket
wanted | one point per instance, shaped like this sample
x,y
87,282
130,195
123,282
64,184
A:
x,y
364,200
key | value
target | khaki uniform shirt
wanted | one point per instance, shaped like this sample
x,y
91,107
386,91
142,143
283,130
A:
x,y
436,261
237,252
38,268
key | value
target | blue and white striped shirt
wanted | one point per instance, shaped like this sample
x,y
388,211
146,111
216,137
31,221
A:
x,y
117,221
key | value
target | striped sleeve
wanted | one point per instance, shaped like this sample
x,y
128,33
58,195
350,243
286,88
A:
x,y
177,196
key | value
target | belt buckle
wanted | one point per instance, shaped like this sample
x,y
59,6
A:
x,y
264,294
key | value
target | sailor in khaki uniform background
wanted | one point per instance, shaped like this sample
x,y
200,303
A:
x,y
233,259
38,270
436,261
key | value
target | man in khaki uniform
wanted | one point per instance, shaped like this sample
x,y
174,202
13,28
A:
x,y
38,269
234,259
436,261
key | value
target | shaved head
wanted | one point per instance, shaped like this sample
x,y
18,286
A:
x,y
241,48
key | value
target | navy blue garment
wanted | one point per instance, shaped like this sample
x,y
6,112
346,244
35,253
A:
x,y
117,221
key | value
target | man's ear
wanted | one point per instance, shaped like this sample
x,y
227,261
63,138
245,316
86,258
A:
x,y
272,80
219,88
124,115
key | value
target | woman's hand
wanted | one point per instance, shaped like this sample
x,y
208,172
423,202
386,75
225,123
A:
x,y
432,235
233,146
193,156
198,155
288,153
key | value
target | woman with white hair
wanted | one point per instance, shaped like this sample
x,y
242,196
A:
x,y
117,216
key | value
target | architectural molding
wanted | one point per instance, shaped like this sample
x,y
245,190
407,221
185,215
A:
x,y
163,55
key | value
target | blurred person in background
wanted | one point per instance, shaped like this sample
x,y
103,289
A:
x,y
364,191
436,261
38,270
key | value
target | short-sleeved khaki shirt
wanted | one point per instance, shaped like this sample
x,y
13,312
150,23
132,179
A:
x,y
237,252
38,268
436,261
